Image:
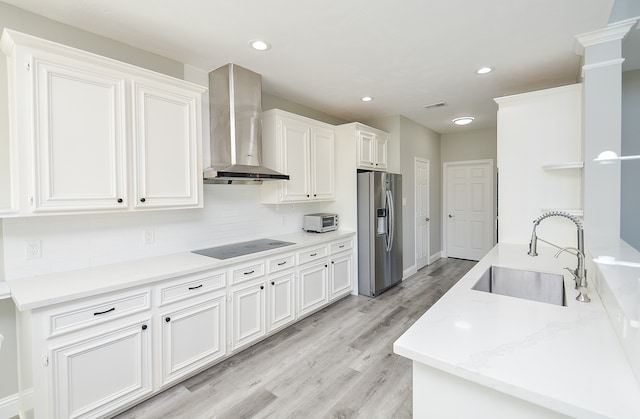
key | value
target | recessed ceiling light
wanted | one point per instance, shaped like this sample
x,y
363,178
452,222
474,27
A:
x,y
463,120
366,98
484,70
260,45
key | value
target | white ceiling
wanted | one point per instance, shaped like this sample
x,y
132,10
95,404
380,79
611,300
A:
x,y
327,54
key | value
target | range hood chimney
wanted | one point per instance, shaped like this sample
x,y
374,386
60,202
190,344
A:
x,y
235,101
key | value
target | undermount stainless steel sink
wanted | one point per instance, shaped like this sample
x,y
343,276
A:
x,y
530,285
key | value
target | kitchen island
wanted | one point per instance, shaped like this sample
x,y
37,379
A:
x,y
477,354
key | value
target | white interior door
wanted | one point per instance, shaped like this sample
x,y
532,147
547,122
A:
x,y
468,212
421,176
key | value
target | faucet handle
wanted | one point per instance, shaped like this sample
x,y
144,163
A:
x,y
575,277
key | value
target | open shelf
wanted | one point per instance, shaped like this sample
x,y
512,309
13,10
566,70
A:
x,y
572,211
562,166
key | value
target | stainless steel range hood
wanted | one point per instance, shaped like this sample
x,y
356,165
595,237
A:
x,y
235,100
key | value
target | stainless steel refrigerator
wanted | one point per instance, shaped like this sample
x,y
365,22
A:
x,y
379,232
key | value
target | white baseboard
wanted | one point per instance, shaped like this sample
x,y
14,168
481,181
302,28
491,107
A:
x,y
435,257
9,406
408,272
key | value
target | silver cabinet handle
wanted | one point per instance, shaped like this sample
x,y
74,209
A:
x,y
450,216
427,219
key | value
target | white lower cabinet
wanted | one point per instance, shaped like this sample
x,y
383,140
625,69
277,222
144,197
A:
x,y
97,356
192,336
281,300
94,375
248,320
341,271
313,280
340,275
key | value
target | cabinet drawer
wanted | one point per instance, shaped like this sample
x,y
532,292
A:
x,y
341,246
191,286
281,263
247,272
312,254
75,316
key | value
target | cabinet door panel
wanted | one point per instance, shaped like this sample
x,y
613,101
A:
x,y
165,147
248,315
312,288
341,278
366,149
323,164
192,337
281,301
296,142
381,152
78,138
97,375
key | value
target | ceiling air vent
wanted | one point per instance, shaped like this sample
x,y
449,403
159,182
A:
x,y
435,105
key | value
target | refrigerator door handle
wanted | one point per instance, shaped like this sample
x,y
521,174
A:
x,y
390,221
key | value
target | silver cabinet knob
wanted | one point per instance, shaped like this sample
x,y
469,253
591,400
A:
x,y
450,216
427,219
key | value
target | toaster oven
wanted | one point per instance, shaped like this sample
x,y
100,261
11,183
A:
x,y
320,222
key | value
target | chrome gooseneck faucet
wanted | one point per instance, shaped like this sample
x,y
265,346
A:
x,y
580,273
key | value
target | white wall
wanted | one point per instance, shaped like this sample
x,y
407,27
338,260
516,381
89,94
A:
x,y
630,171
232,213
274,102
472,144
537,129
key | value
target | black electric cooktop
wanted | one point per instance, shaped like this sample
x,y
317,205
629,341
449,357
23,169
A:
x,y
229,251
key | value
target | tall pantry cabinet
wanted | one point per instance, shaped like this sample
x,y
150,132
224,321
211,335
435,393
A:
x,y
540,161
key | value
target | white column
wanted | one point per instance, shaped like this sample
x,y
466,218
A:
x,y
602,107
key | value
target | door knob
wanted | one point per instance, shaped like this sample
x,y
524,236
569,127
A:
x,y
450,216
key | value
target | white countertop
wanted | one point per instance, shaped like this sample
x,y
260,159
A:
x,y
567,359
43,290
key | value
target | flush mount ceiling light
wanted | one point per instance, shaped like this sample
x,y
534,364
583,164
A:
x,y
484,70
610,157
366,98
259,45
463,120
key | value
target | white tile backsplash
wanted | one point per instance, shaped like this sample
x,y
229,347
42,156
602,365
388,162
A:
x,y
231,213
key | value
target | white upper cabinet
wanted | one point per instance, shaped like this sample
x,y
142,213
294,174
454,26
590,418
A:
x,y
302,148
322,164
79,150
92,134
380,160
371,148
296,159
167,169
371,145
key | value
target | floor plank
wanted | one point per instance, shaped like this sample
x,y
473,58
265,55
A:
x,y
337,363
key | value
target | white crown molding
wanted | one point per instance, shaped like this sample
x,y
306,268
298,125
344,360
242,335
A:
x,y
614,31
617,61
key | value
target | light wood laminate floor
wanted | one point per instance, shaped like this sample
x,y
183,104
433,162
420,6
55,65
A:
x,y
337,363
